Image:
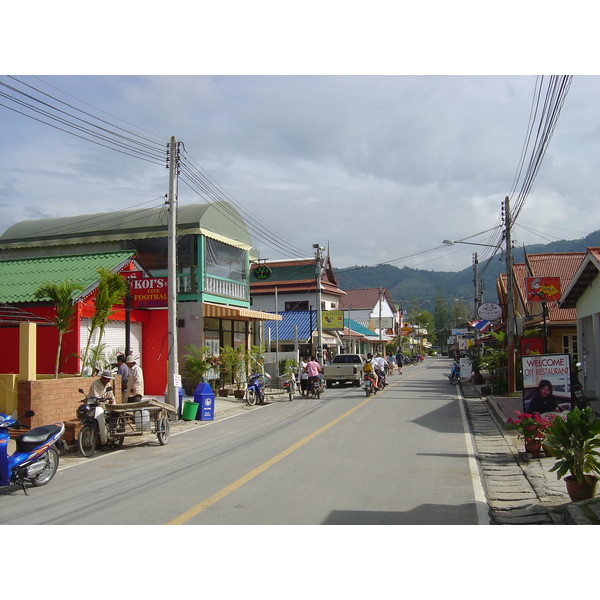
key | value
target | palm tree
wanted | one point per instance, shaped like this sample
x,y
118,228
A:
x,y
61,294
111,290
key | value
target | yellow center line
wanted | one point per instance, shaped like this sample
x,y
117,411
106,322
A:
x,y
195,510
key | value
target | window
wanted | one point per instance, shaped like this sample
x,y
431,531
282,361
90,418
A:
x,y
569,343
300,305
227,262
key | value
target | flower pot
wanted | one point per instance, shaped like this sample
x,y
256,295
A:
x,y
546,450
239,393
581,491
533,449
224,393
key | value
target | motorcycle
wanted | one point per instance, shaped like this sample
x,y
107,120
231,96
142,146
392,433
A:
x,y
36,458
290,386
98,425
577,395
454,376
369,384
254,390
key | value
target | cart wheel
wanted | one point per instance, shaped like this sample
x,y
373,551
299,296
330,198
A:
x,y
87,440
119,427
163,427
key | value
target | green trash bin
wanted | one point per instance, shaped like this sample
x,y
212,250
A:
x,y
190,410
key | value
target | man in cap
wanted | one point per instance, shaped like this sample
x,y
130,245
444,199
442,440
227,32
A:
x,y
135,381
101,388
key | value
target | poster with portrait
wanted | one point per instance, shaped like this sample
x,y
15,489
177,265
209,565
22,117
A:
x,y
546,380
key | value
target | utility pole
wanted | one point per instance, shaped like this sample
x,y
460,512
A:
x,y
172,364
318,273
476,297
510,312
380,328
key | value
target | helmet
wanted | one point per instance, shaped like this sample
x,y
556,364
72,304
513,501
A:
x,y
369,355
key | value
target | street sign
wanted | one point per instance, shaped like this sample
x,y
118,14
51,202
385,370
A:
x,y
543,289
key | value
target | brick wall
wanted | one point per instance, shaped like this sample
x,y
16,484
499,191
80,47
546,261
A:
x,y
55,400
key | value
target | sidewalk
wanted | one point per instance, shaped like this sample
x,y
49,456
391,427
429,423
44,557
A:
x,y
520,489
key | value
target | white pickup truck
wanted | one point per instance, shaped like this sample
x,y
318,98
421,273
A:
x,y
344,368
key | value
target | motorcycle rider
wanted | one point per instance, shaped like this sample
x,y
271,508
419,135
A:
x,y
380,370
99,387
370,370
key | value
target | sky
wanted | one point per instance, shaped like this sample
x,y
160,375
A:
x,y
376,167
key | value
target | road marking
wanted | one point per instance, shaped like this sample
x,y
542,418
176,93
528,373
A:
x,y
195,510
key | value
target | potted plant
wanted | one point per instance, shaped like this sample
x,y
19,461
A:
x,y
197,361
573,441
531,429
232,369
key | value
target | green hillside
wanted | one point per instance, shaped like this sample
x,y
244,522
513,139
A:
x,y
421,288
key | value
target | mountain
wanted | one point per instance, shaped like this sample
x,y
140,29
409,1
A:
x,y
420,287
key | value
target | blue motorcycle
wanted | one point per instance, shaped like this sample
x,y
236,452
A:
x,y
454,376
254,392
35,459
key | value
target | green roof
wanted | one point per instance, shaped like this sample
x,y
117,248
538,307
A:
x,y
218,219
20,278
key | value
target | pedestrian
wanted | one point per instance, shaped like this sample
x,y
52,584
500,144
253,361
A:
x,y
101,388
135,381
123,371
303,377
399,361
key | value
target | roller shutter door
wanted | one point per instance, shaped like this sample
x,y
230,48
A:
x,y
113,339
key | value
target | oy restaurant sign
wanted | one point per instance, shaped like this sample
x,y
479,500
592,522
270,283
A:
x,y
148,292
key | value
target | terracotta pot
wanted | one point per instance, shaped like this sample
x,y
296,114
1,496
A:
x,y
533,449
546,450
581,491
239,393
224,393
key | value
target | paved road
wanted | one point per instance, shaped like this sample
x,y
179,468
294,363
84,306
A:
x,y
400,457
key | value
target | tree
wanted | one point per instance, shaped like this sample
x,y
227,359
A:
x,y
111,290
61,294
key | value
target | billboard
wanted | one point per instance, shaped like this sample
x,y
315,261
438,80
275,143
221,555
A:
x,y
149,292
542,289
550,371
333,319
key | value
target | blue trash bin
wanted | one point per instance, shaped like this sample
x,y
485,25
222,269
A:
x,y
205,397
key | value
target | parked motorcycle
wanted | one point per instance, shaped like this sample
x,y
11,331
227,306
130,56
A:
x,y
98,425
291,386
36,457
254,392
454,376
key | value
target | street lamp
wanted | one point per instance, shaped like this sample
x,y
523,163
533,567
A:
x,y
452,242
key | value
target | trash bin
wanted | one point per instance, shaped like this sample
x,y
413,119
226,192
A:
x,y
190,410
204,397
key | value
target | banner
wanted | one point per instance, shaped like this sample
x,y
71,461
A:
x,y
531,346
333,319
549,371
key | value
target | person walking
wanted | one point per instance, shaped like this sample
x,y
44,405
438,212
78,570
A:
x,y
135,381
399,361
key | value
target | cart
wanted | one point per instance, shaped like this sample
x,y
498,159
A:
x,y
124,420
139,418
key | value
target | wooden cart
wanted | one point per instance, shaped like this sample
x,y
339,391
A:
x,y
139,418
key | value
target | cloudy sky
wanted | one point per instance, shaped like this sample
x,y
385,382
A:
x,y
377,167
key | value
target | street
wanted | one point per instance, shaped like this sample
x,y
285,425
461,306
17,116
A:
x,y
397,458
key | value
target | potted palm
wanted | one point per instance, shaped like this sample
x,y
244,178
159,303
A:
x,y
197,361
574,442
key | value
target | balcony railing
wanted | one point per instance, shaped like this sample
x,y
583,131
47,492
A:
x,y
224,287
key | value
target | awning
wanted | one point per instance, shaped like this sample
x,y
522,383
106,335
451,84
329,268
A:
x,y
222,311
